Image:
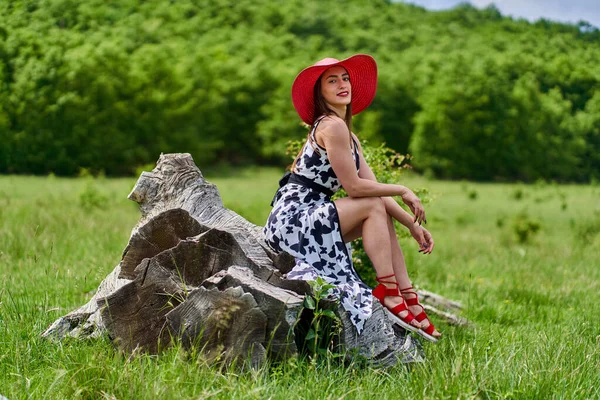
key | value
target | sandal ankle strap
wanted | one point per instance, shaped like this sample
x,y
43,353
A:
x,y
413,301
382,291
381,279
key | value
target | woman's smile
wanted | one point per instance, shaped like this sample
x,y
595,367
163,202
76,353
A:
x,y
337,89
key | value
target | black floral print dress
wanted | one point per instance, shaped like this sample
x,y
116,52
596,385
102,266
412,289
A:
x,y
305,224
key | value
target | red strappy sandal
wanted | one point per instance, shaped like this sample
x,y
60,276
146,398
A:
x,y
381,291
426,333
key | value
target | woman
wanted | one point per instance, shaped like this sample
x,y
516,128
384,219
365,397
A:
x,y
305,222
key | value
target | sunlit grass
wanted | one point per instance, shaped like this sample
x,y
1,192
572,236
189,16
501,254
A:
x,y
533,303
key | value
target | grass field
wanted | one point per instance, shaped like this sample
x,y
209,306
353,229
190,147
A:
x,y
523,259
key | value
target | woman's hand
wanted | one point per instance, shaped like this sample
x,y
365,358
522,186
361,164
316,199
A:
x,y
423,237
413,202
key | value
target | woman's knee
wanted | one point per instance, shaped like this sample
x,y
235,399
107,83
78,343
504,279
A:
x,y
360,208
375,205
369,206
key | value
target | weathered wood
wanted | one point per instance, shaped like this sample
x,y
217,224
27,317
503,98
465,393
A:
x,y
162,232
436,300
449,318
227,325
175,184
381,341
281,307
195,259
197,271
431,301
135,315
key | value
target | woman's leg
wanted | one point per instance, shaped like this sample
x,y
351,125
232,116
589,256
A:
x,y
352,228
402,274
397,257
398,262
368,216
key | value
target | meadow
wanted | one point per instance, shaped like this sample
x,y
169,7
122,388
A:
x,y
523,259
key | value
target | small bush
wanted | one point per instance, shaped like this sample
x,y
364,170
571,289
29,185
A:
x,y
500,219
470,193
518,194
321,335
587,230
563,200
524,227
91,198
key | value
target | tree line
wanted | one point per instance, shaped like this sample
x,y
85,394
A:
x,y
471,94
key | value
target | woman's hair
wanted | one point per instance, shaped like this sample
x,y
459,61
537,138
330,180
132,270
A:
x,y
320,109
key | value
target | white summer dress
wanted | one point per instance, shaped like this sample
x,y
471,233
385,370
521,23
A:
x,y
305,224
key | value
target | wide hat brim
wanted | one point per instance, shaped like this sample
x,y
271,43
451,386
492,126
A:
x,y
363,78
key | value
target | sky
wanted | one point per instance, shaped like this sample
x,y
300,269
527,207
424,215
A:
x,y
557,10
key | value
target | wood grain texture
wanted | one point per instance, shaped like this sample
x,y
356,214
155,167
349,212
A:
x,y
227,325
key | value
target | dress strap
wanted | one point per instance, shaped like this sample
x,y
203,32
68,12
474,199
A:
x,y
314,128
356,154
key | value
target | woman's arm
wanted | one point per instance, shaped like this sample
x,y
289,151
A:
x,y
421,235
391,206
334,134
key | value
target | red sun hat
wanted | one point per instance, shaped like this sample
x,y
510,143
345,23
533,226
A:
x,y
363,78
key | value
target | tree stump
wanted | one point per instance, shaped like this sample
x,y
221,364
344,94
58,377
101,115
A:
x,y
198,272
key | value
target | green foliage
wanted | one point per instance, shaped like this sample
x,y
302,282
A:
x,y
387,164
492,116
500,220
587,231
110,85
91,198
322,337
518,194
524,227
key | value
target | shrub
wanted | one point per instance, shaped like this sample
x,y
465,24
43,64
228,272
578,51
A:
x,y
587,230
518,194
524,227
91,198
321,334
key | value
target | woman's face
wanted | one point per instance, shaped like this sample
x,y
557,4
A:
x,y
335,87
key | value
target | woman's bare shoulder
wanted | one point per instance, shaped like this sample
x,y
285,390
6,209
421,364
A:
x,y
332,125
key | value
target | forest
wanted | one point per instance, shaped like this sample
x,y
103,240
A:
x,y
106,86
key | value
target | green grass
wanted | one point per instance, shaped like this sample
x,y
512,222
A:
x,y
534,304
